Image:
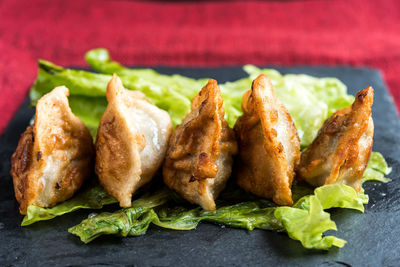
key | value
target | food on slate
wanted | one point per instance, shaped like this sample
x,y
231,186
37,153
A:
x,y
54,155
269,148
309,100
341,151
131,141
199,158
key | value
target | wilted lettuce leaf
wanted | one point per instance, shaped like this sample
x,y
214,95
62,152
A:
x,y
247,215
179,218
306,221
93,197
135,221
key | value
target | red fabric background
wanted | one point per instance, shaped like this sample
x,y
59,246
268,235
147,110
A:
x,y
203,33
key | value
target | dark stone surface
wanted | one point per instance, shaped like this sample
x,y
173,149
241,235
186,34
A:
x,y
373,238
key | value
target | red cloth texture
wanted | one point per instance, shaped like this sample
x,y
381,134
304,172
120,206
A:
x,y
201,33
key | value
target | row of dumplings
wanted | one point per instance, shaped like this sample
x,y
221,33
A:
x,y
135,138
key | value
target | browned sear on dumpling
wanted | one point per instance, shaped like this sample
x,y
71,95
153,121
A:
x,y
269,147
199,158
341,151
53,156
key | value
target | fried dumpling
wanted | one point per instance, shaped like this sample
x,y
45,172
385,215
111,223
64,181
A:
x,y
199,158
54,155
269,147
131,141
341,151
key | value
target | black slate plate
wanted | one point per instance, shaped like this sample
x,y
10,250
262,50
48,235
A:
x,y
373,238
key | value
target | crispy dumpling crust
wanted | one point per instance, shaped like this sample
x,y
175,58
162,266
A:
x,y
269,147
131,141
54,156
341,151
199,158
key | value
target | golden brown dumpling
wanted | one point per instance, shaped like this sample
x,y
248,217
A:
x,y
54,155
199,158
131,141
341,151
269,148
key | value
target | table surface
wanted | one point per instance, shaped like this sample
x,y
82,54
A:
x,y
373,238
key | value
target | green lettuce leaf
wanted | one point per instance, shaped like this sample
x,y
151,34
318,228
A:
x,y
307,226
135,221
376,169
306,221
309,100
100,60
340,196
172,93
86,86
79,82
247,215
89,110
92,197
87,91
